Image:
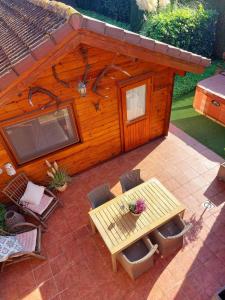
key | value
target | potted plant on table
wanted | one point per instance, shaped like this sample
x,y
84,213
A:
x,y
59,177
137,207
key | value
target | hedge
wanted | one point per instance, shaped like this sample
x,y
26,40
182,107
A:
x,y
186,28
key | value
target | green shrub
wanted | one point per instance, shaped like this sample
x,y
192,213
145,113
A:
x,y
104,18
2,215
186,28
186,84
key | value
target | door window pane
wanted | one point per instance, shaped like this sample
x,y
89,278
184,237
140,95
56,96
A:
x,y
41,135
135,100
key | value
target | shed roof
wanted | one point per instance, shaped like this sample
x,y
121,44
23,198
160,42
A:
x,y
31,29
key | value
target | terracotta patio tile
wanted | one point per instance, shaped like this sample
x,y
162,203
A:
x,y
78,264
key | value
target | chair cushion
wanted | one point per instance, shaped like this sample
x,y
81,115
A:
x,y
27,240
39,209
33,193
136,251
169,229
9,245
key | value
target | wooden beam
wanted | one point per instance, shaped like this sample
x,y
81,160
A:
x,y
124,48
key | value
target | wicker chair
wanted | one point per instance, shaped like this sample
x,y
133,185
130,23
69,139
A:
x,y
25,243
138,258
169,236
130,179
100,195
15,190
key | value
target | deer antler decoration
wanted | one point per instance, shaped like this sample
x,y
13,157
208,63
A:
x,y
37,89
103,73
56,76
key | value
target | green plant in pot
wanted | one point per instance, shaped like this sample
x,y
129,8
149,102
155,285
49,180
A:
x,y
59,177
2,216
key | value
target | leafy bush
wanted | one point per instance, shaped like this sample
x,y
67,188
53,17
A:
x,y
104,18
186,84
186,28
2,215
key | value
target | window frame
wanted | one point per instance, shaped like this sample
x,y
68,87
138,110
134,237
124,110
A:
x,y
32,115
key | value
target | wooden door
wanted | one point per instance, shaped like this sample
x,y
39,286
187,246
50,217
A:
x,y
136,113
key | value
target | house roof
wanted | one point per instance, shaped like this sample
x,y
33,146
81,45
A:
x,y
31,29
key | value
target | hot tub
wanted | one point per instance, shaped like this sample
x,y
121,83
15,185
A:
x,y
210,98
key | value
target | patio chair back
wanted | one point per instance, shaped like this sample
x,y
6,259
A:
x,y
16,188
130,179
138,258
100,195
170,236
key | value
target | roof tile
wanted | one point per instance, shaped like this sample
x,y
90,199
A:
x,y
60,33
147,43
174,51
7,78
114,32
93,25
76,21
24,64
161,47
45,47
132,38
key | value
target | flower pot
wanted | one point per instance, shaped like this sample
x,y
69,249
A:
x,y
62,188
12,217
135,215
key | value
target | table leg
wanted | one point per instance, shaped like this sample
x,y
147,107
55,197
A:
x,y
92,226
114,263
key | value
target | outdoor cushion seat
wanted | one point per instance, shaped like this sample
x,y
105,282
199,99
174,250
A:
x,y
130,179
16,189
170,236
23,242
100,195
39,209
138,258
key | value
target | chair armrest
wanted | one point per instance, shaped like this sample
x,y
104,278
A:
x,y
146,257
24,224
183,232
50,193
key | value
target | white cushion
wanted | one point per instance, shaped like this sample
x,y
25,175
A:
x,y
33,193
39,209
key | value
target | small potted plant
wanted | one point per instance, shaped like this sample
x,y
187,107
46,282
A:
x,y
59,177
137,207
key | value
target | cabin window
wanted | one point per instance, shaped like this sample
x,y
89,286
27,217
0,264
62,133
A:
x,y
136,102
41,135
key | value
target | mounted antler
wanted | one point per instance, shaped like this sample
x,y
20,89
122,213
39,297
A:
x,y
84,53
103,73
56,76
37,89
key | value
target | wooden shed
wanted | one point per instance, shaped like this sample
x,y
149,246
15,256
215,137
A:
x,y
210,98
77,90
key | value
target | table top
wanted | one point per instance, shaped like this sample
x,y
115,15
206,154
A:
x,y
119,228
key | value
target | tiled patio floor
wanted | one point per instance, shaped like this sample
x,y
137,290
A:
x,y
79,265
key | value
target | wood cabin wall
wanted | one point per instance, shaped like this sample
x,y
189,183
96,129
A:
x,y
99,130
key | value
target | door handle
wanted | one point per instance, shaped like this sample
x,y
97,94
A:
x,y
215,103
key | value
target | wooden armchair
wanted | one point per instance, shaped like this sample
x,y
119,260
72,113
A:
x,y
22,243
49,202
138,258
130,179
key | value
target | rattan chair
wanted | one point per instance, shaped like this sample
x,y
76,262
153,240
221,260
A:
x,y
100,195
21,243
170,236
15,190
138,258
130,179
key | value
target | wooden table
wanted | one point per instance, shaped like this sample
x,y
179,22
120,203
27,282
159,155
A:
x,y
119,228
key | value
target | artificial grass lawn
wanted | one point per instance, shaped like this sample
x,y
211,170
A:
x,y
207,132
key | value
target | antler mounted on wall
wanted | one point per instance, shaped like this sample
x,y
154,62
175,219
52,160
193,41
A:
x,y
37,89
103,73
56,76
